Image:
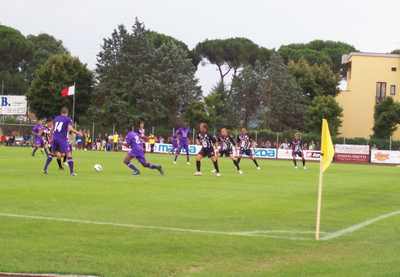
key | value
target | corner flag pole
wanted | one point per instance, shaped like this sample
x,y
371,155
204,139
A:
x,y
73,105
319,202
327,154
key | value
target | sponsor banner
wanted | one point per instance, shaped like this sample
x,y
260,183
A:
x,y
385,157
167,148
265,153
352,153
309,155
13,105
352,149
261,153
351,158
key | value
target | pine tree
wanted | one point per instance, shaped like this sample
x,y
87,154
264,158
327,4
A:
x,y
139,78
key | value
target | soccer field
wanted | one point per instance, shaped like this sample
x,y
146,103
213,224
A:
x,y
261,223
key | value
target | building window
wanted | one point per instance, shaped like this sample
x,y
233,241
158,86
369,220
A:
x,y
394,69
393,90
380,91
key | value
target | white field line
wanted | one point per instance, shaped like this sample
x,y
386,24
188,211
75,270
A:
x,y
279,232
41,275
358,226
267,233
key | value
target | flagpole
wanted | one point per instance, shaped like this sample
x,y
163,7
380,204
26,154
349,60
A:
x,y
73,105
319,203
327,155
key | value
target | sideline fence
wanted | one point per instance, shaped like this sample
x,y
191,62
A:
x,y
263,138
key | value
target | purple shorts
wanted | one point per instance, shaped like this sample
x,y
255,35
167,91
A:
x,y
138,156
183,146
69,147
60,145
39,141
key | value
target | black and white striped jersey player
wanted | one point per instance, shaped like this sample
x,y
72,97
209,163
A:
x,y
245,144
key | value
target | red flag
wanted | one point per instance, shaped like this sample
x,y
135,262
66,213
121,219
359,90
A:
x,y
68,91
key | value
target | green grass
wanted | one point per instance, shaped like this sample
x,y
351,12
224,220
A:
x,y
276,198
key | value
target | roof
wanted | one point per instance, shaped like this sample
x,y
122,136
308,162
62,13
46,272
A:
x,y
346,58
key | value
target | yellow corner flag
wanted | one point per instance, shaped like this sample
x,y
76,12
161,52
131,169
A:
x,y
327,154
327,149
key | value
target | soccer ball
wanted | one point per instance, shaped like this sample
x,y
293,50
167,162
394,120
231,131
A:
x,y
98,167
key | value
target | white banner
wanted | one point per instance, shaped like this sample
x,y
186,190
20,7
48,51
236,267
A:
x,y
352,153
352,149
385,157
309,155
261,153
13,105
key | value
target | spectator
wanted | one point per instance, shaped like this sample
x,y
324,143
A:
x,y
312,145
152,142
284,145
109,142
98,142
10,141
88,141
104,143
115,139
79,141
3,139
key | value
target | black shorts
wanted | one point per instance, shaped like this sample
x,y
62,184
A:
x,y
226,152
246,152
298,154
207,152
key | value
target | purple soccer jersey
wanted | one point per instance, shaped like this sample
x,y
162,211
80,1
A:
x,y
183,138
60,134
135,142
174,141
183,135
37,131
61,126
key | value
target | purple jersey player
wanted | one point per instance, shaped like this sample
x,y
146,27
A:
x,y
182,135
134,141
38,142
62,125
175,144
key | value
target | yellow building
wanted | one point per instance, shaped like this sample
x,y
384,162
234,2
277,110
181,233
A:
x,y
370,78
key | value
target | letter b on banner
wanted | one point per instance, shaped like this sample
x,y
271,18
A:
x,y
4,102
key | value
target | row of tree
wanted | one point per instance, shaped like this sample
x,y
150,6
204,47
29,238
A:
x,y
148,75
21,56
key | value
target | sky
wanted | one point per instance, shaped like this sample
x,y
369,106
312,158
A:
x,y
369,25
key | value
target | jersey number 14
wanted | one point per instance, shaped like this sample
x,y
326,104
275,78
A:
x,y
58,126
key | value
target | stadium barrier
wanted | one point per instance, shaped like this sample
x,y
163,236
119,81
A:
x,y
309,155
345,153
349,153
165,148
385,157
